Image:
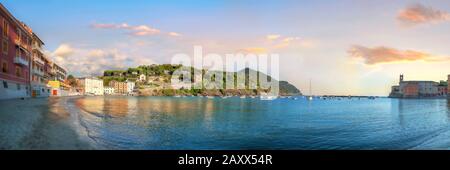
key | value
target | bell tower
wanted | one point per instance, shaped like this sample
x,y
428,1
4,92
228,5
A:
x,y
401,77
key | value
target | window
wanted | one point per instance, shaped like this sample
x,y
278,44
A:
x,y
5,84
5,46
18,86
4,67
18,71
5,28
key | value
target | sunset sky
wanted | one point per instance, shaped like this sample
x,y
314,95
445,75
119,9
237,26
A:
x,y
346,47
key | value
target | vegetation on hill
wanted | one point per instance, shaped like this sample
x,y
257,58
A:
x,y
159,76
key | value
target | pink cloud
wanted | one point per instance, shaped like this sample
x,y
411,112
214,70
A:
x,y
378,55
420,14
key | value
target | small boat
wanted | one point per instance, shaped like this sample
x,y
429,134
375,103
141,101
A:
x,y
310,98
268,97
210,97
243,97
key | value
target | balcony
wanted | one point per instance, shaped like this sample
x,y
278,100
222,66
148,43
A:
x,y
39,61
38,48
38,72
19,60
22,45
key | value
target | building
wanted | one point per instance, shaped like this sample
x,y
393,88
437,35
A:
x,y
59,72
443,88
59,88
448,86
39,81
109,90
15,56
92,86
119,87
142,78
417,89
130,87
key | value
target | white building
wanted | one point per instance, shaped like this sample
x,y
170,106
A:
x,y
130,87
92,86
109,90
142,78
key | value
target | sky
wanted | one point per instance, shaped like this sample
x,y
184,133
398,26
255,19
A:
x,y
345,47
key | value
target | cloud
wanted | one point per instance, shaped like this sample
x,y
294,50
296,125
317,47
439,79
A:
x,y
64,50
254,50
273,36
174,34
420,14
92,62
293,41
141,30
377,55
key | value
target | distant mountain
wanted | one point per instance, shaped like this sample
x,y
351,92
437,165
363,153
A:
x,y
287,89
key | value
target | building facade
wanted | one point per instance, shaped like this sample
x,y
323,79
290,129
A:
x,y
60,74
119,87
130,87
25,70
109,91
92,86
15,56
418,89
39,81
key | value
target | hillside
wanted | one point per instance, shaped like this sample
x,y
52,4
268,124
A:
x,y
158,83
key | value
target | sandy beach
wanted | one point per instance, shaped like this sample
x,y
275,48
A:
x,y
37,124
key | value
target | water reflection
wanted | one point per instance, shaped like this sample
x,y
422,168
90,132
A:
x,y
234,123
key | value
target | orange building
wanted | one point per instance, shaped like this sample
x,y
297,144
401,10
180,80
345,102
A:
x,y
411,90
119,87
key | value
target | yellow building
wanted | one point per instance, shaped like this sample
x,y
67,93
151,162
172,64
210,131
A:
x,y
58,88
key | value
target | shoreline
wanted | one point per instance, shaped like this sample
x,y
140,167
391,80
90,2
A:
x,y
43,124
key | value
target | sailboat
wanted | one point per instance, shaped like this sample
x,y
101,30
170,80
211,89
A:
x,y
310,97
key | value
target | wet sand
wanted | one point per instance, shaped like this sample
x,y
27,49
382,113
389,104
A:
x,y
39,124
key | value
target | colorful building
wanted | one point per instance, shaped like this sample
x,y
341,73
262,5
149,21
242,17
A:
x,y
25,69
58,88
418,89
119,87
15,56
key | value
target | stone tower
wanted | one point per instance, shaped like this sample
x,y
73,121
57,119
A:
x,y
401,77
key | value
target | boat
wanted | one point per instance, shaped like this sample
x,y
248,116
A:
x,y
243,97
310,97
268,97
265,96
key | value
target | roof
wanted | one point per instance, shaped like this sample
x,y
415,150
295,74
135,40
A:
x,y
17,22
